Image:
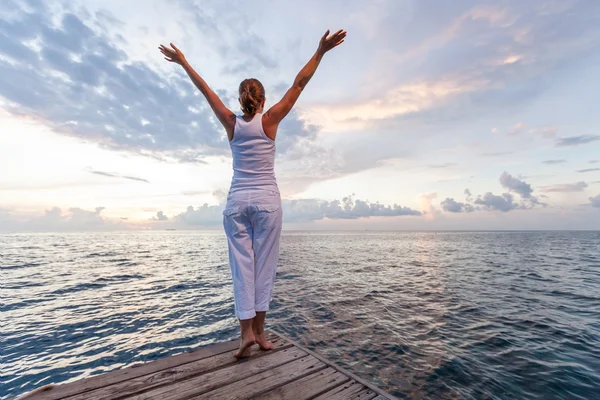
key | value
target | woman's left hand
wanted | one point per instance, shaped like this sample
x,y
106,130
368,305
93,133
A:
x,y
329,42
172,55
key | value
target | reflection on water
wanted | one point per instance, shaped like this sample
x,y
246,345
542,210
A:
x,y
425,315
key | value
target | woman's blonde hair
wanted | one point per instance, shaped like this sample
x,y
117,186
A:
x,y
252,94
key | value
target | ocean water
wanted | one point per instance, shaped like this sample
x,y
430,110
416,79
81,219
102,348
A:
x,y
474,315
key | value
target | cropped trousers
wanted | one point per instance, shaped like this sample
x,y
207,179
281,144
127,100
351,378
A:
x,y
252,220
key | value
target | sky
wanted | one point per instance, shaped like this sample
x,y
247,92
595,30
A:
x,y
432,115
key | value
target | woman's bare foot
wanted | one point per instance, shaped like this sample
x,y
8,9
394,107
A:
x,y
262,342
245,346
258,327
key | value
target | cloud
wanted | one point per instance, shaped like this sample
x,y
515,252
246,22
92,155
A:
x,y
565,187
294,131
114,175
516,185
160,216
55,219
552,162
426,205
517,129
545,131
522,188
576,140
595,201
496,55
403,101
493,202
195,192
242,55
102,96
445,165
303,210
594,161
204,215
249,56
468,194
453,206
496,154
347,208
588,170
81,82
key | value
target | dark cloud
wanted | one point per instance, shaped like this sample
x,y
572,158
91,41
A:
x,y
291,129
101,97
81,83
595,201
244,52
515,185
552,162
468,194
247,55
113,175
565,187
493,202
576,140
134,178
450,205
588,170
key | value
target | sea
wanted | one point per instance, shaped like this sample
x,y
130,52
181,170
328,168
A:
x,y
431,315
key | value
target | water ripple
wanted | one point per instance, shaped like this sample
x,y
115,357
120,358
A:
x,y
426,315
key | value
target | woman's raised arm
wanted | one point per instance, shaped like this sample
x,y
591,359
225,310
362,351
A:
x,y
273,117
224,115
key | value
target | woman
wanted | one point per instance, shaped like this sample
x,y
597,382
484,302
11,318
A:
x,y
252,217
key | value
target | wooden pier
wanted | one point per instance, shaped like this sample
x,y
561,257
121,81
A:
x,y
289,371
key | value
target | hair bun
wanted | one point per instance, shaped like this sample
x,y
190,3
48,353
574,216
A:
x,y
252,94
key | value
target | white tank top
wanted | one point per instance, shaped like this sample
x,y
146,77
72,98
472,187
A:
x,y
253,156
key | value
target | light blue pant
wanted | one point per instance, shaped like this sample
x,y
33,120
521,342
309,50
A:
x,y
252,220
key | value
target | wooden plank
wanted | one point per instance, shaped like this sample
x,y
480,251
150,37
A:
x,y
265,381
380,397
225,376
172,375
53,392
369,385
308,387
365,394
342,392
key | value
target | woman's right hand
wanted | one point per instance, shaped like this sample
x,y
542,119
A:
x,y
172,55
328,43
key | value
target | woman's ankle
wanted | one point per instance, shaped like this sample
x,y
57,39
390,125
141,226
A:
x,y
258,331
